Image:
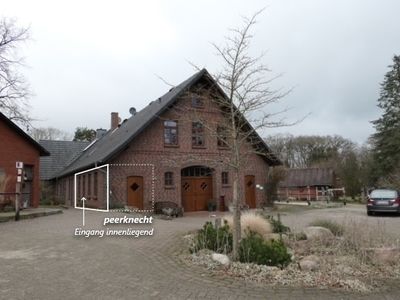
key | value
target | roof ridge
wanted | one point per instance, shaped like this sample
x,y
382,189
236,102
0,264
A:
x,y
27,137
114,141
121,136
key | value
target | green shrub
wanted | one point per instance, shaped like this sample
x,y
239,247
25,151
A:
x,y
277,225
254,249
216,239
336,228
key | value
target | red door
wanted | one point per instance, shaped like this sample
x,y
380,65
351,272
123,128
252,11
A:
x,y
135,191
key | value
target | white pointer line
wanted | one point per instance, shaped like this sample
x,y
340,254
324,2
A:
x,y
83,210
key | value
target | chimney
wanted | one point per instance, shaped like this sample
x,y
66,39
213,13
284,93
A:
x,y
114,120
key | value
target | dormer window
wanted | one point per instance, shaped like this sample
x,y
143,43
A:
x,y
197,101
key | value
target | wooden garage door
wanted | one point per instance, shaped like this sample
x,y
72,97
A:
x,y
196,192
135,191
250,191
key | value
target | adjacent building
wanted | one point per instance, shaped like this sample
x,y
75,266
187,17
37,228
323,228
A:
x,y
62,154
17,146
307,183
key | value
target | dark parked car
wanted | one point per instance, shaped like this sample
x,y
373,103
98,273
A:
x,y
383,200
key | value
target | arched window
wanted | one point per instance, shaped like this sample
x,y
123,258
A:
x,y
169,179
196,171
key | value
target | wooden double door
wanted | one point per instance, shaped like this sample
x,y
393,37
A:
x,y
196,192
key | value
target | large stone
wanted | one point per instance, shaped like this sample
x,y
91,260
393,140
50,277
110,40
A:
x,y
316,232
384,255
221,258
309,263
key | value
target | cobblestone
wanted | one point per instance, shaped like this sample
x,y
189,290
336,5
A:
x,y
58,265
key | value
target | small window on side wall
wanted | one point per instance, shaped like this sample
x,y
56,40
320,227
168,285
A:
x,y
169,179
225,178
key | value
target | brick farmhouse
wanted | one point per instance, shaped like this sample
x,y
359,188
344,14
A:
x,y
163,153
17,146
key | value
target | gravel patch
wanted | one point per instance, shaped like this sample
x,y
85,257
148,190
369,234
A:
x,y
345,272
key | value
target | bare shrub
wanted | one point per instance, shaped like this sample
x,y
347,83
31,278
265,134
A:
x,y
360,236
354,249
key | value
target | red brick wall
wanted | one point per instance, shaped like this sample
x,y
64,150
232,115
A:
x,y
95,196
13,148
148,149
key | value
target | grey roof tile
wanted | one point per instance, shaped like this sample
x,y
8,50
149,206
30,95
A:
x,y
115,141
62,153
309,177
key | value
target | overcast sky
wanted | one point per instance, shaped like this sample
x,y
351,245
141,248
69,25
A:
x,y
89,58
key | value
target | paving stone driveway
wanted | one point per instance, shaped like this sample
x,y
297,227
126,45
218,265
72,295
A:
x,y
41,259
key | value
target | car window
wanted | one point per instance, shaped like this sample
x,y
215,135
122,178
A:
x,y
383,194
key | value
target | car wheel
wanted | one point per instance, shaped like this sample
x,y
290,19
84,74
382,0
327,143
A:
x,y
369,213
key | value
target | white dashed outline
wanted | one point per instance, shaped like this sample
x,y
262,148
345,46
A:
x,y
107,166
108,188
152,188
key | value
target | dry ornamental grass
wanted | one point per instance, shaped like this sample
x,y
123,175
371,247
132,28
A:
x,y
251,221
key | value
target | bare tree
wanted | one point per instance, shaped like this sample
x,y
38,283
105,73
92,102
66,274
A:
x,y
307,151
50,133
14,90
240,96
247,85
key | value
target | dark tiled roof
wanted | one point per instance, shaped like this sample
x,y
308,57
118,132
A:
x,y
62,153
22,133
309,177
115,141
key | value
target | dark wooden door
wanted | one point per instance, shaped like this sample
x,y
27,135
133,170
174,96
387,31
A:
x,y
188,193
135,191
196,192
250,191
